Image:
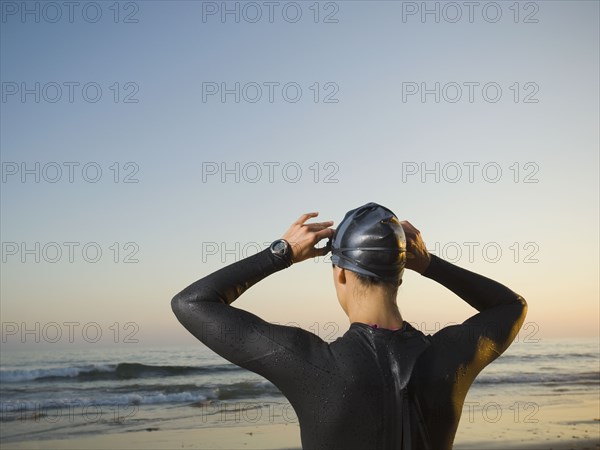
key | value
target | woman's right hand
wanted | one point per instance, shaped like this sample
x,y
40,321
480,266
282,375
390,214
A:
x,y
417,256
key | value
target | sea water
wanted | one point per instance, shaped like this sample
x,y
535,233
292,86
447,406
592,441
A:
x,y
59,393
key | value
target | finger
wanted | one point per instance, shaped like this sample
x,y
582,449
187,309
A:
x,y
319,225
304,217
326,233
322,251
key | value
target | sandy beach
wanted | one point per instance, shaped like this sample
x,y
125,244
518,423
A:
x,y
261,437
553,427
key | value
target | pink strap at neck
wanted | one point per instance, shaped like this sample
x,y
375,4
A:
x,y
377,326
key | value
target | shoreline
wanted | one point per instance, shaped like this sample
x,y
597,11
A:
x,y
566,425
272,437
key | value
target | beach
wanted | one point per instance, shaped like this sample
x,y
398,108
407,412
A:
x,y
552,432
287,436
538,395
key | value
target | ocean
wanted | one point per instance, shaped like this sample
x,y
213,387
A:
x,y
60,393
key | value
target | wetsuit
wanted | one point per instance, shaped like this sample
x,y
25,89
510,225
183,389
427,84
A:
x,y
371,388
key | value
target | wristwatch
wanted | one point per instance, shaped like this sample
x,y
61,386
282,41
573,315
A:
x,y
281,248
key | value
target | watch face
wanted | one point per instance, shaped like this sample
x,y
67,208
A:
x,y
279,247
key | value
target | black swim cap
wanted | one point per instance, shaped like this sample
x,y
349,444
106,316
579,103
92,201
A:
x,y
370,241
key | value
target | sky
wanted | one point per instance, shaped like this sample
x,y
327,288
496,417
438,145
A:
x,y
146,144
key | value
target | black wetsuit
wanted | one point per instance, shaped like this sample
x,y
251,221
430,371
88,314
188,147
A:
x,y
371,388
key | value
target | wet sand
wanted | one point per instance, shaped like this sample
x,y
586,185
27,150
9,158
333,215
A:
x,y
552,427
255,437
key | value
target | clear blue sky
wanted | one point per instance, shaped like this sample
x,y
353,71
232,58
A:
x,y
367,144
